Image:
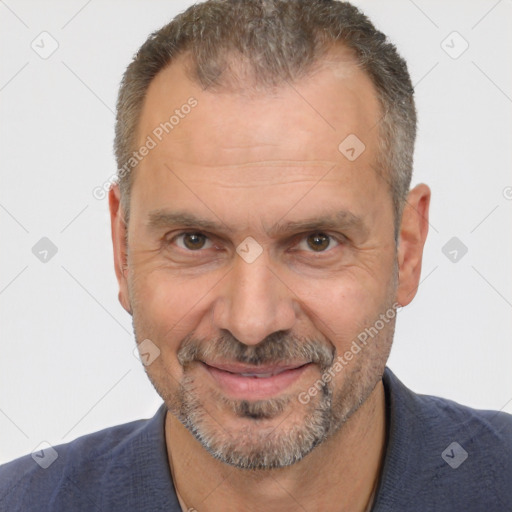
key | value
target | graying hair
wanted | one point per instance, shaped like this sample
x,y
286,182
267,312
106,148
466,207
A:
x,y
280,41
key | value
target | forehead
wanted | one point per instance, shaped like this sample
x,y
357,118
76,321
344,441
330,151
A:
x,y
259,143
306,120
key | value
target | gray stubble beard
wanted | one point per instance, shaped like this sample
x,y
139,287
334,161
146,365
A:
x,y
262,445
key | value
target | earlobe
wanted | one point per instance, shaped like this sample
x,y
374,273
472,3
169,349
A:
x,y
123,300
118,229
413,233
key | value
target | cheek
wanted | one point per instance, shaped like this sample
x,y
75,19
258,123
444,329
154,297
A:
x,y
162,312
168,307
343,306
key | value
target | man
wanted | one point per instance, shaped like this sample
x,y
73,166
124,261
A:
x,y
264,238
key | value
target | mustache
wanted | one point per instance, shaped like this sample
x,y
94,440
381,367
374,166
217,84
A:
x,y
279,347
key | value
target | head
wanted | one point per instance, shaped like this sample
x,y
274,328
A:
x,y
266,221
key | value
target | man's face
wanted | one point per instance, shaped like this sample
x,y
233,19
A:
x,y
247,325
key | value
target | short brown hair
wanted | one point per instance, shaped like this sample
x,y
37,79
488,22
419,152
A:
x,y
281,41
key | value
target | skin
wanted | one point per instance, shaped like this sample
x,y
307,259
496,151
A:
x,y
251,163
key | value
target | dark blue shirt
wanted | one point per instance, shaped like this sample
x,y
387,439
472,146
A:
x,y
440,456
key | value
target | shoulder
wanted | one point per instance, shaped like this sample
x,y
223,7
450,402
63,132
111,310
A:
x,y
489,428
446,454
427,410
82,474
477,441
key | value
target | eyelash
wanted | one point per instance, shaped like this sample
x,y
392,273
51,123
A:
x,y
303,237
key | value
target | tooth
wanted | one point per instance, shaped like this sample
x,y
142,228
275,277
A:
x,y
259,375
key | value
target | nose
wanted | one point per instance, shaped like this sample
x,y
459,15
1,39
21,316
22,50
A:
x,y
254,302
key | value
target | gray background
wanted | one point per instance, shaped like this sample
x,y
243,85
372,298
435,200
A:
x,y
66,361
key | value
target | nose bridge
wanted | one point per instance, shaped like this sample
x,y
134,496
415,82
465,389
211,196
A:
x,y
254,302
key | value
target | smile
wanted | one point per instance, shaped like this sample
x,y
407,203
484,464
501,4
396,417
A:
x,y
254,383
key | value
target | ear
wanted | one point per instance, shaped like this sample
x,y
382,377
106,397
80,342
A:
x,y
413,233
119,228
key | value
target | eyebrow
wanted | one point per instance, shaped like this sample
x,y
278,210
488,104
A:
x,y
340,220
163,219
160,219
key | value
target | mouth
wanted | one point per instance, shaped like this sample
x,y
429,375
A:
x,y
254,382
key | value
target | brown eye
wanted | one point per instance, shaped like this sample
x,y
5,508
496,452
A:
x,y
192,241
318,242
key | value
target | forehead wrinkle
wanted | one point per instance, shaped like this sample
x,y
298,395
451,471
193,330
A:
x,y
252,174
259,163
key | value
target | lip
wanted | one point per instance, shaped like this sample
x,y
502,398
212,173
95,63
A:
x,y
254,382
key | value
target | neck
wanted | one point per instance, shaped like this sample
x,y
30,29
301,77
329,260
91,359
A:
x,y
339,474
